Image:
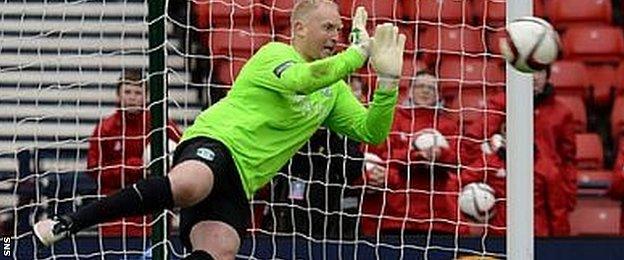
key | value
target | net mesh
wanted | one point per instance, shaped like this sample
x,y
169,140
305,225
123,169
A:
x,y
60,62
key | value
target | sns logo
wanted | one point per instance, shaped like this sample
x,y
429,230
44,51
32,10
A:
x,y
6,241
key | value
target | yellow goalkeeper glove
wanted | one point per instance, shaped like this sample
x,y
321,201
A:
x,y
387,54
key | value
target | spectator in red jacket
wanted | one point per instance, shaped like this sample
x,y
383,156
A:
x,y
487,124
546,195
555,140
491,170
115,157
400,198
616,191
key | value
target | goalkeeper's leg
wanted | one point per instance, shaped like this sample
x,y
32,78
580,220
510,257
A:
x,y
191,181
187,184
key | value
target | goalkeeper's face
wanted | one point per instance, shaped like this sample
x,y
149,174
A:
x,y
132,97
318,32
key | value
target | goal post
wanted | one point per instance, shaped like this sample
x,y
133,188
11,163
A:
x,y
158,110
520,151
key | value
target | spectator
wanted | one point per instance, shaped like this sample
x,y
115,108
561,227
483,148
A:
x,y
115,157
314,197
492,171
555,150
547,196
398,182
477,132
555,140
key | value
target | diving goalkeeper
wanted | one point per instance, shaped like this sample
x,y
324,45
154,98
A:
x,y
282,95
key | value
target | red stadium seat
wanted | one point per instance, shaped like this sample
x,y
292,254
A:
x,y
595,216
563,13
493,40
589,154
440,40
619,87
474,73
283,34
579,113
237,42
570,77
379,11
449,11
278,12
408,30
594,179
410,67
226,71
223,13
470,104
617,118
603,80
490,12
538,8
597,44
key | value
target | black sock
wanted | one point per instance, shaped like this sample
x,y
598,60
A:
x,y
199,255
146,196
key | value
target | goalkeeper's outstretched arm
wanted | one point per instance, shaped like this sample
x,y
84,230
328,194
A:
x,y
284,68
373,125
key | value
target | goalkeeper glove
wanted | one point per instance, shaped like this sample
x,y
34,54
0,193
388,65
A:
x,y
359,36
387,54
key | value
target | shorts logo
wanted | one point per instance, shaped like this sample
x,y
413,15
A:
x,y
206,154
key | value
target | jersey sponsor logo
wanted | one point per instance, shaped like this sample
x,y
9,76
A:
x,y
205,153
281,68
327,92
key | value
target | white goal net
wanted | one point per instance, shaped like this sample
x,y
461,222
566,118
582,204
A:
x,y
61,61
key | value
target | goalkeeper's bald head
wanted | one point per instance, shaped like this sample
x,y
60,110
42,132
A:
x,y
316,27
303,8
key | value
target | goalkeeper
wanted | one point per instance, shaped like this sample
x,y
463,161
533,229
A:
x,y
283,94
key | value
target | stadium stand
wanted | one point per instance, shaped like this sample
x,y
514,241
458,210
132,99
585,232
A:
x,y
54,93
447,12
232,13
470,73
445,42
579,112
61,96
595,216
378,11
565,13
617,118
594,44
489,12
603,81
570,78
589,153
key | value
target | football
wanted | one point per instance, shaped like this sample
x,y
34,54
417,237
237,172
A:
x,y
476,200
531,44
428,138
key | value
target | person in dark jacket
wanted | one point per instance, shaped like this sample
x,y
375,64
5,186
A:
x,y
312,195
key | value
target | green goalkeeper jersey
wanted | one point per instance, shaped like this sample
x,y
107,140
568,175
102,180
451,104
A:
x,y
279,100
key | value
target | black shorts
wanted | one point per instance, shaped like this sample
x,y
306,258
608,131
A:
x,y
227,201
